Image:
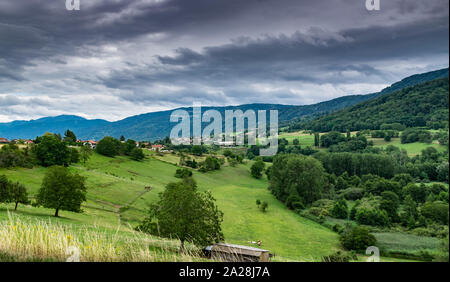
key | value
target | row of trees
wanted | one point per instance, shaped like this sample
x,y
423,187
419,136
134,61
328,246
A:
x,y
111,147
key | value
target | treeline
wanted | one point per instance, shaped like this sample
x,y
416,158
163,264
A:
x,y
425,104
111,147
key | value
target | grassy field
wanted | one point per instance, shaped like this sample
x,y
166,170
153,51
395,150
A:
x,y
406,243
412,148
306,139
117,196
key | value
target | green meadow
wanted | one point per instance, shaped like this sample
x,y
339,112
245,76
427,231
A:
x,y
412,148
119,191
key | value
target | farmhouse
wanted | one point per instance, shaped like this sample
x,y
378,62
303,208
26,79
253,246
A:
x,y
91,143
157,147
4,141
236,253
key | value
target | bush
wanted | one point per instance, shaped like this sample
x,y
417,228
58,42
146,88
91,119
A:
x,y
357,238
369,216
183,172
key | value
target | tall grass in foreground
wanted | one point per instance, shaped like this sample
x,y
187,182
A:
x,y
22,240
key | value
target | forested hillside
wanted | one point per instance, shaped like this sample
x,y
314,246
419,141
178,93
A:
x,y
426,104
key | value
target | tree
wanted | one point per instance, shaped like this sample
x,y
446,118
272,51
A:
x,y
129,146
340,209
122,138
85,153
185,213
297,174
62,190
316,139
18,194
52,151
70,137
390,203
357,238
74,155
108,146
5,193
137,154
197,150
296,142
257,169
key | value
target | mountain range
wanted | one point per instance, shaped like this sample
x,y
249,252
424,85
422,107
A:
x,y
156,125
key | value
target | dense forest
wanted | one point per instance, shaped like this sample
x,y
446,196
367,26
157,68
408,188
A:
x,y
425,104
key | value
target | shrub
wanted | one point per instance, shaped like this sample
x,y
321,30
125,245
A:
x,y
183,172
357,238
369,216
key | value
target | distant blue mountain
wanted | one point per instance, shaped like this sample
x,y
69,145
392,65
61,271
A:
x,y
156,125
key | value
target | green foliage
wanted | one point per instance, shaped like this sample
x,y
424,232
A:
x,y
436,211
257,168
390,202
62,190
210,164
357,238
86,152
184,213
12,156
331,138
357,164
50,150
109,147
19,194
411,107
70,137
137,154
128,147
183,172
297,174
340,209
340,256
412,135
371,216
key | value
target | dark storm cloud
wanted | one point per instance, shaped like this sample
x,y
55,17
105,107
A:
x,y
171,52
304,57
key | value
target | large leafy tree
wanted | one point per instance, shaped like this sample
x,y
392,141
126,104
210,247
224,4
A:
x,y
297,175
62,190
108,146
52,151
257,168
185,213
19,194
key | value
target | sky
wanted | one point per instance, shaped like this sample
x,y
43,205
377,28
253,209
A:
x,y
116,58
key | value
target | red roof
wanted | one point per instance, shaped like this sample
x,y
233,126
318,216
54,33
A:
x,y
4,140
157,146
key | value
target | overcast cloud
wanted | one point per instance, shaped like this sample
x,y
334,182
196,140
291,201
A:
x,y
116,58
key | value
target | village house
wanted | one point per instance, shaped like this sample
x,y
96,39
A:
x,y
4,141
91,143
157,147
